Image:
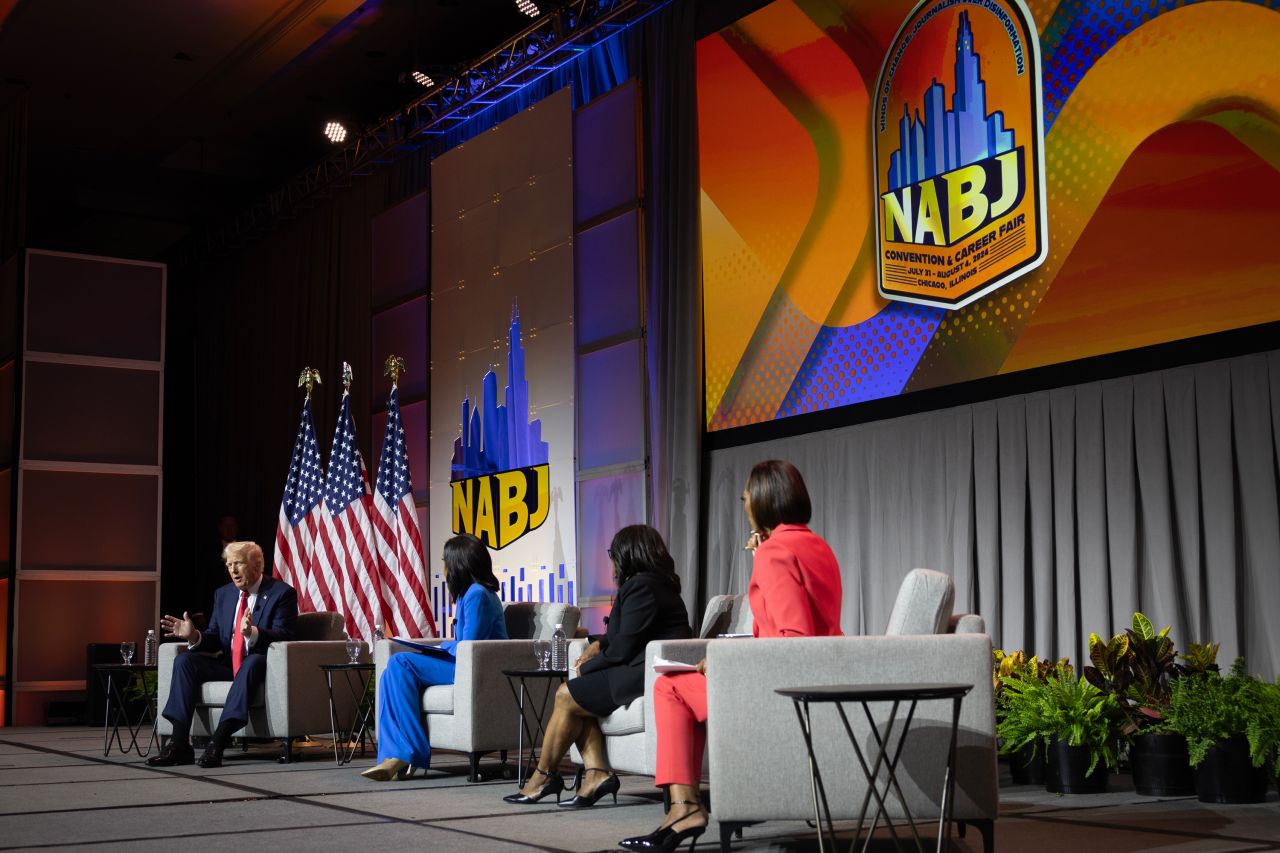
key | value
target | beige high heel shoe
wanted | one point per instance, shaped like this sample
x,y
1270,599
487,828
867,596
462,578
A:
x,y
388,769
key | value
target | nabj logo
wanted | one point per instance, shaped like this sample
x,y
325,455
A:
x,y
960,172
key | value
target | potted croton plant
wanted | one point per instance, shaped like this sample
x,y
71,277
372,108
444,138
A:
x,y
1232,727
1139,667
1075,724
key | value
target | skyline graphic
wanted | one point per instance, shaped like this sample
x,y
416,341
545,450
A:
x,y
500,437
540,583
947,139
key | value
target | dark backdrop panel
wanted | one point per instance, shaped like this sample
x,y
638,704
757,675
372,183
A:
x,y
95,307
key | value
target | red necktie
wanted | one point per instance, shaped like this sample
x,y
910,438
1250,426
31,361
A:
x,y
237,638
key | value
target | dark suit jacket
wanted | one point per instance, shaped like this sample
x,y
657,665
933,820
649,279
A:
x,y
647,608
274,613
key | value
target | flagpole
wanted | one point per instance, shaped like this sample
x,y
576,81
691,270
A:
x,y
294,546
407,584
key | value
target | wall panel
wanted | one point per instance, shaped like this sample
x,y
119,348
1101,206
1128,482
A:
x,y
123,407
89,475
95,307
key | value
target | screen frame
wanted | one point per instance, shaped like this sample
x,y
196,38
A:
x,y
713,16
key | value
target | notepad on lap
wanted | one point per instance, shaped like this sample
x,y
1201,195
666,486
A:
x,y
421,647
664,665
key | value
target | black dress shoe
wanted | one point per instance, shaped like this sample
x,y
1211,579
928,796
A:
x,y
172,756
582,801
553,785
667,839
211,758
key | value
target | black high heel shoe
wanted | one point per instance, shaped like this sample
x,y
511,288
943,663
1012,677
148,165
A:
x,y
668,838
553,785
608,786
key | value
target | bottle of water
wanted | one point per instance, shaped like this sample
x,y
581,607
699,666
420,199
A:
x,y
559,649
149,648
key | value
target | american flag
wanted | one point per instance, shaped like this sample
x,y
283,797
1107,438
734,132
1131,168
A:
x,y
404,577
345,544
300,519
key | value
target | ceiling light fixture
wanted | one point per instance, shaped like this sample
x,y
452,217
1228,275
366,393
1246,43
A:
x,y
529,8
336,132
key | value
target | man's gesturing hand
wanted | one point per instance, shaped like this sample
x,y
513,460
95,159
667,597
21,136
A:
x,y
183,629
246,624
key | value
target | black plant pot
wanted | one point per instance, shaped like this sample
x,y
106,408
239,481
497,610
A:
x,y
1066,771
1228,776
1162,766
1026,770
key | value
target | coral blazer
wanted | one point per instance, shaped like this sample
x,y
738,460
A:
x,y
795,586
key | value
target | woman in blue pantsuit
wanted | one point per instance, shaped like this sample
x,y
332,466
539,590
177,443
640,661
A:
x,y
402,738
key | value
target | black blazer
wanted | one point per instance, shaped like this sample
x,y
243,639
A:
x,y
647,608
274,612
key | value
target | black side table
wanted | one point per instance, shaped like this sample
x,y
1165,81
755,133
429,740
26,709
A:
x,y
116,677
357,677
865,695
523,676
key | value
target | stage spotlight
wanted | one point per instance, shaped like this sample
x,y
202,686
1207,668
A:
x,y
529,8
422,79
336,132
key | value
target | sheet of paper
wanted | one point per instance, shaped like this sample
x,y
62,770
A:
x,y
664,665
420,646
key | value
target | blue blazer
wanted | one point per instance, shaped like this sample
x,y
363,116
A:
x,y
479,617
274,614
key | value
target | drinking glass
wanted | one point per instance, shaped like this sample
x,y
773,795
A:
x,y
126,651
542,654
353,650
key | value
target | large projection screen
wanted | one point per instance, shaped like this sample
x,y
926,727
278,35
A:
x,y
1162,170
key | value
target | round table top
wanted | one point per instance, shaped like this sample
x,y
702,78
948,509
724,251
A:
x,y
129,667
346,666
536,673
876,692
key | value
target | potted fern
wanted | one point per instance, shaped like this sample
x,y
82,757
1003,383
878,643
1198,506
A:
x,y
1138,666
1025,766
1072,721
1232,727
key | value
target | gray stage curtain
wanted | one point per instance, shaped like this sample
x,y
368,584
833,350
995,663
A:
x,y
673,299
1057,513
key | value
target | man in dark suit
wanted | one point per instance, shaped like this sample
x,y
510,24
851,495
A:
x,y
249,614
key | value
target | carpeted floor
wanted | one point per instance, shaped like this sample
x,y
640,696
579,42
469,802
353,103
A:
x,y
57,790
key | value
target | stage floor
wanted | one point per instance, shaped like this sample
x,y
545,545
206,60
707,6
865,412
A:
x,y
57,790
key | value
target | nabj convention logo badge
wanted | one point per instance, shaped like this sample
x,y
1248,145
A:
x,y
959,143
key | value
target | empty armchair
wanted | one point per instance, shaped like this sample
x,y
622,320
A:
x,y
294,701
476,714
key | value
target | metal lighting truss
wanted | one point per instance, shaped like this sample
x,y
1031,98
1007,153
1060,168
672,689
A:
x,y
546,45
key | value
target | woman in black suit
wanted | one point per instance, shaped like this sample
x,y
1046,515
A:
x,y
611,671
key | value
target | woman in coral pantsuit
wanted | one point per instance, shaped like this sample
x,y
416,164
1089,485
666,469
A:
x,y
794,592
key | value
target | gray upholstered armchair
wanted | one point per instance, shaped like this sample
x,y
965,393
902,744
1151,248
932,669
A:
x,y
477,714
629,732
294,701
757,754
